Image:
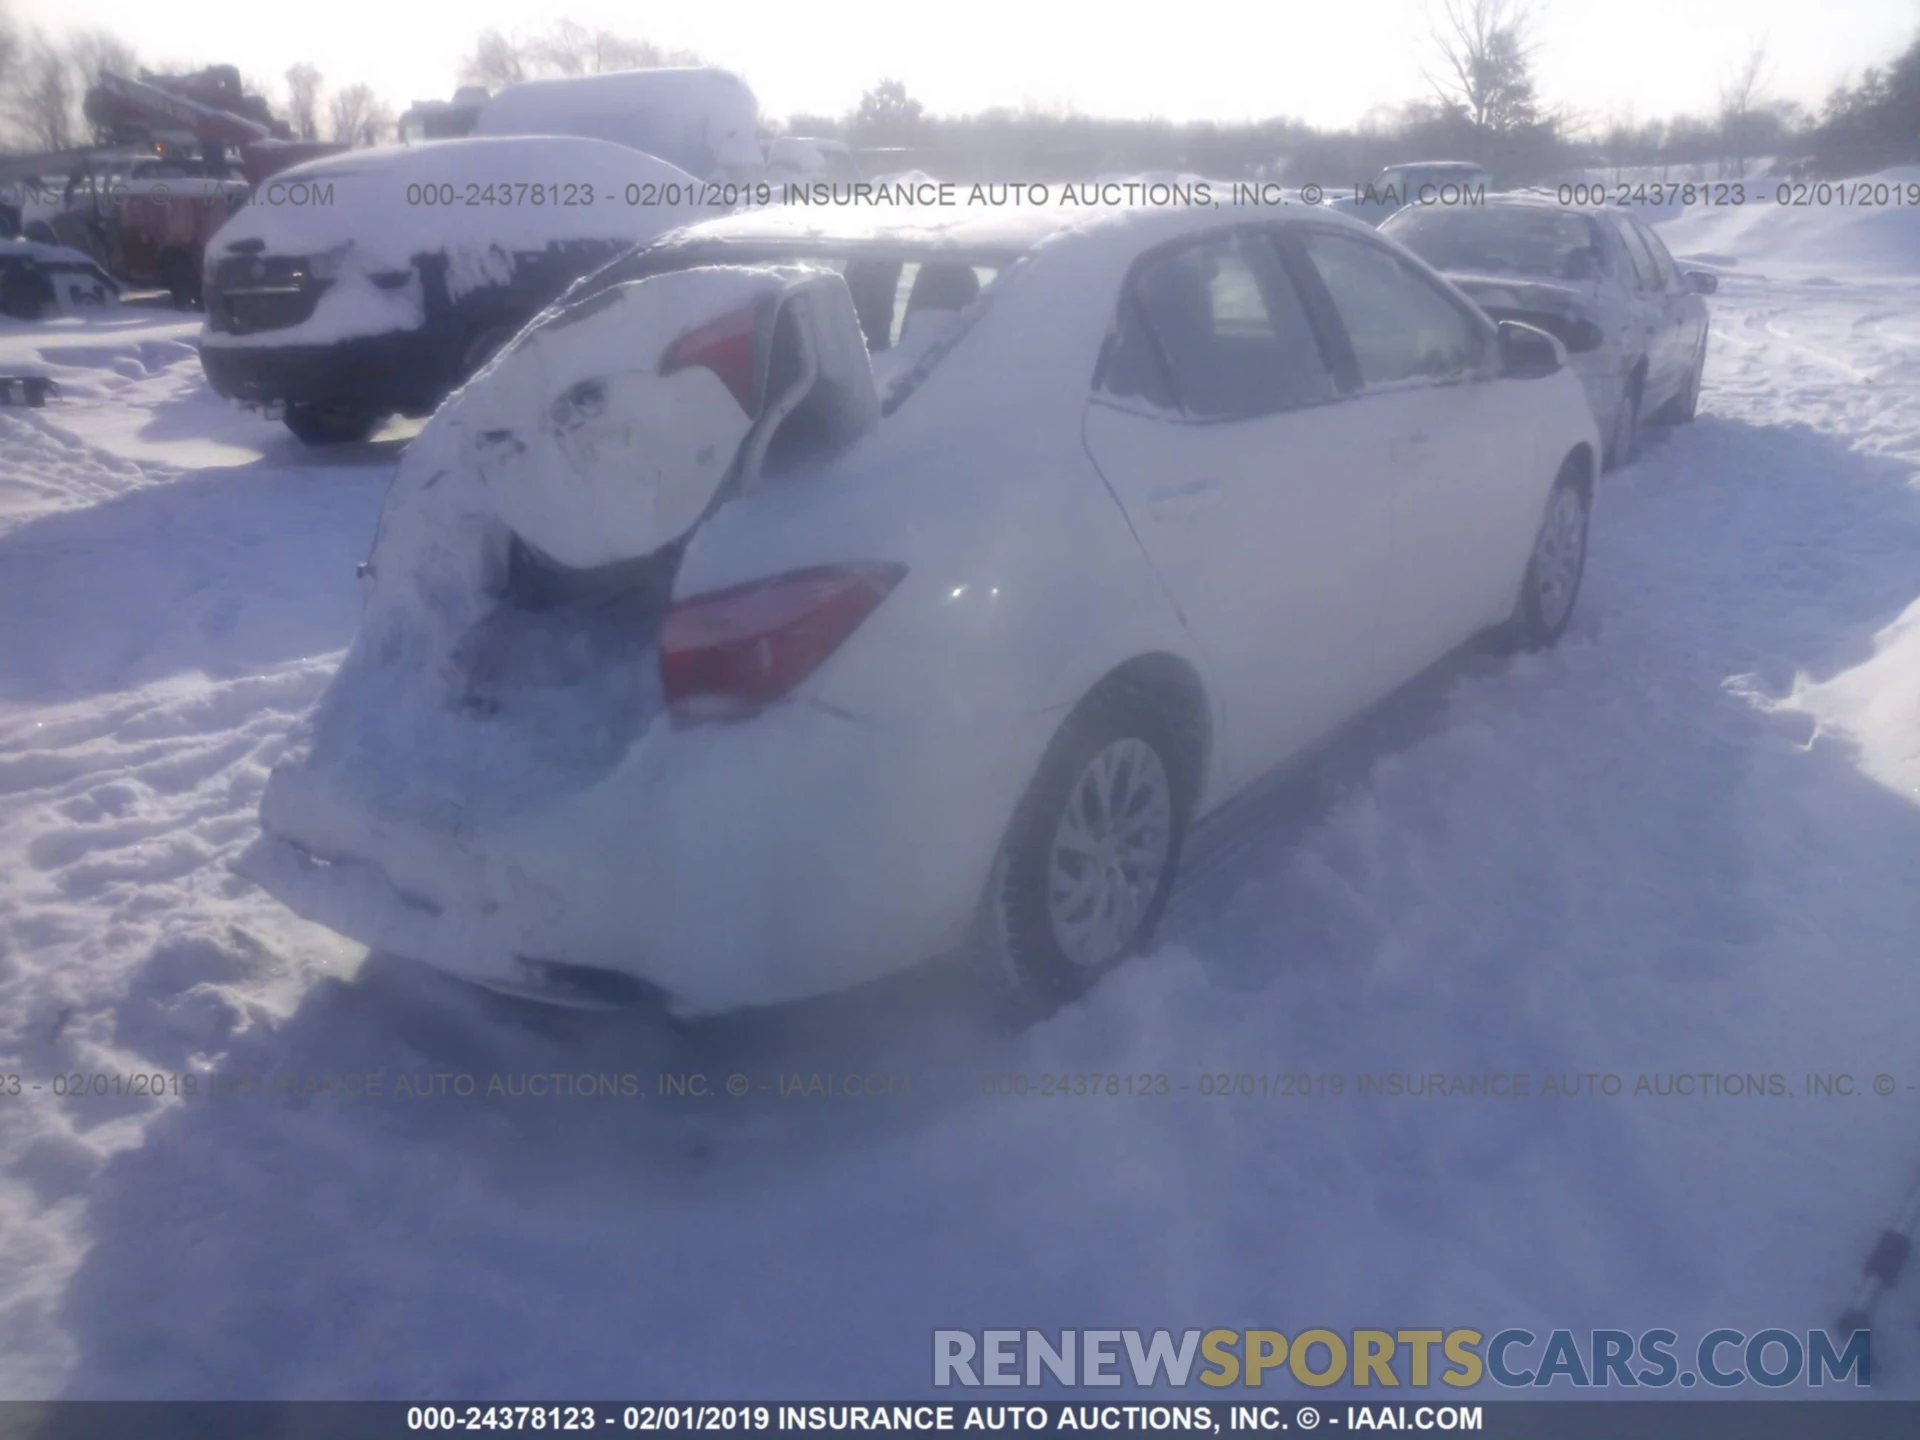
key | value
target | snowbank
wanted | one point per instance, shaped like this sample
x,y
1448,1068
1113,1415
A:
x,y
1877,705
1869,225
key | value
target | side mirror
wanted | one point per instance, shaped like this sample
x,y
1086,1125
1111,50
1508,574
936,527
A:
x,y
1699,282
1527,353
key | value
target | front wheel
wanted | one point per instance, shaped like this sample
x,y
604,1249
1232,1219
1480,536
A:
x,y
329,424
1559,560
1623,445
1090,856
1686,404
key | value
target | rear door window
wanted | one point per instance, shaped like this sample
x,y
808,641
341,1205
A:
x,y
1662,260
1219,324
1133,367
1402,327
1645,271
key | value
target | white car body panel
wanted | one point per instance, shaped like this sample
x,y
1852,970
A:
x,y
849,829
590,452
1272,542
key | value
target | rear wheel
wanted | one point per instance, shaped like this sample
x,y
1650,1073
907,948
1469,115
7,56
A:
x,y
1684,406
1559,560
1091,854
329,424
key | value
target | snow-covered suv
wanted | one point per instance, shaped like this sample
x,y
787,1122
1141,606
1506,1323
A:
x,y
375,282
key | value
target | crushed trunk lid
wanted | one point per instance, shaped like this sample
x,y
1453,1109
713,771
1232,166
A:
x,y
614,425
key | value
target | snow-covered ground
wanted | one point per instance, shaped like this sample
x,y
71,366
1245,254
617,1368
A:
x,y
1685,841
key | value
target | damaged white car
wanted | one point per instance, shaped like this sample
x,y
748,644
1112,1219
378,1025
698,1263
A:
x,y
816,593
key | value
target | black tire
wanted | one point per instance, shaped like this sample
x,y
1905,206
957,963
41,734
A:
x,y
1109,736
329,424
1623,444
1550,590
1684,406
182,279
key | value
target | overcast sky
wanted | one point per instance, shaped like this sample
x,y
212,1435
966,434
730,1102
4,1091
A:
x,y
1326,63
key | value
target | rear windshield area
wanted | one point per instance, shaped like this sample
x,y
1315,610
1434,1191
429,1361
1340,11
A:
x,y
913,305
1548,244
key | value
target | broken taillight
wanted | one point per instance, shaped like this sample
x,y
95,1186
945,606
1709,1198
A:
x,y
725,654
725,346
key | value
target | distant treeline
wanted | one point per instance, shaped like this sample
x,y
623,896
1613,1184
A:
x,y
1861,128
1484,108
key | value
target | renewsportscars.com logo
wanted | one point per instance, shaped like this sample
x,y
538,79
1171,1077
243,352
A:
x,y
1391,1358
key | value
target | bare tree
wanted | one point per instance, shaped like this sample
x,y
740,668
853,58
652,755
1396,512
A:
x,y
568,48
496,62
1740,107
1488,48
359,117
303,101
887,116
572,49
44,100
9,49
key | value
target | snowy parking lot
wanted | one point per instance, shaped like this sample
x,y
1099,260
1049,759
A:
x,y
1684,843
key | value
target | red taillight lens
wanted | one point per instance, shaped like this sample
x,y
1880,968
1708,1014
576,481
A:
x,y
725,654
724,346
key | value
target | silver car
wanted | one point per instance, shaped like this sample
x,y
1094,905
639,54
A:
x,y
1634,323
1426,182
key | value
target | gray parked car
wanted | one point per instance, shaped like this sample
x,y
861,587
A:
x,y
1424,182
1634,323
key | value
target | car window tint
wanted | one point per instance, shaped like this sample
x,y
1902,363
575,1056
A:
x,y
1400,325
1662,259
1232,330
889,294
1641,258
1131,367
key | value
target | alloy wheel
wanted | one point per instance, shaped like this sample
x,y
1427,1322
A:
x,y
1110,852
1559,555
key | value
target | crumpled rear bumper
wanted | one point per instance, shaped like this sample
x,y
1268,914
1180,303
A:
x,y
796,854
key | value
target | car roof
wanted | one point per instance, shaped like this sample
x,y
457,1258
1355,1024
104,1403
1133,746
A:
x,y
982,228
1511,200
1463,165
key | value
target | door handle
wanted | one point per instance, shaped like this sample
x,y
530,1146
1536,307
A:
x,y
1181,502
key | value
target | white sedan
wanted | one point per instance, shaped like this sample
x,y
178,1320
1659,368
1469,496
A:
x,y
819,591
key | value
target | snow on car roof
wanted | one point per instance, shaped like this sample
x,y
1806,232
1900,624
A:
x,y
1011,229
1463,165
395,201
